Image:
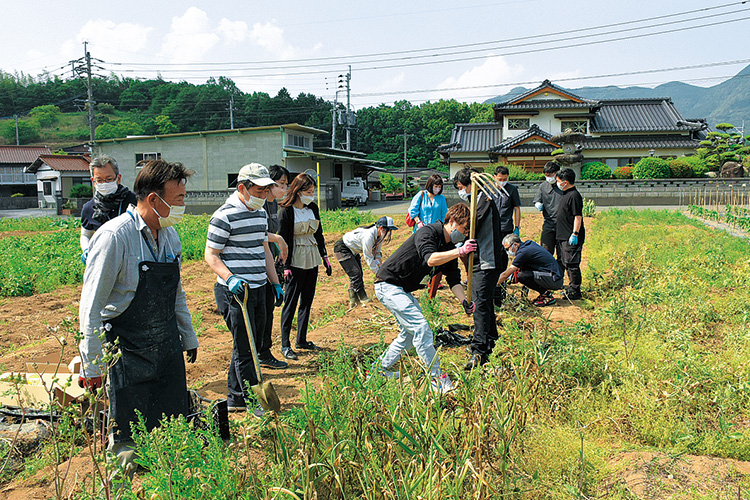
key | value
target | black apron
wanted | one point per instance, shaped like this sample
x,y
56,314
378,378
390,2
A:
x,y
150,375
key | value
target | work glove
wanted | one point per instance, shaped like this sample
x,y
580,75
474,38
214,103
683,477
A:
x,y
539,206
192,355
327,263
469,307
278,295
573,240
236,284
517,231
420,224
91,384
468,247
84,256
287,275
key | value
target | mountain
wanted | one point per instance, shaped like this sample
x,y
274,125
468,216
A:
x,y
728,101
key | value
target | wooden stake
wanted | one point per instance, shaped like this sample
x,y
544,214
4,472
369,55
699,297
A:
x,y
472,233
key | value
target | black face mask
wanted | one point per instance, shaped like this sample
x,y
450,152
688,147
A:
x,y
457,237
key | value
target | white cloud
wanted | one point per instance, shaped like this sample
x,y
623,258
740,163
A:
x,y
494,71
271,37
190,38
107,40
233,31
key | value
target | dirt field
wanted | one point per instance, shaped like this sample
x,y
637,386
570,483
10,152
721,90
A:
x,y
28,324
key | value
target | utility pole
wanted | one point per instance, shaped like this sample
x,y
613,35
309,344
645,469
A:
x,y
348,111
231,112
405,136
90,100
18,143
334,119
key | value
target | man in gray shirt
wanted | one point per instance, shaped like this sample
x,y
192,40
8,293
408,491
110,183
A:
x,y
546,200
132,294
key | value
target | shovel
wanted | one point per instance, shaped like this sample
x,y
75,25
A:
x,y
485,183
267,396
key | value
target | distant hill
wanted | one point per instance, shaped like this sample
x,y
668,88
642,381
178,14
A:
x,y
728,101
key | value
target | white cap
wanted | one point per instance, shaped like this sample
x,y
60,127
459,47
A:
x,y
255,173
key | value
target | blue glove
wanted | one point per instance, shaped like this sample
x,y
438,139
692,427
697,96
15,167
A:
x,y
517,231
573,240
236,285
84,256
278,295
539,206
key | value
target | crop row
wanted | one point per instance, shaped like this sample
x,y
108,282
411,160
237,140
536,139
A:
x,y
738,217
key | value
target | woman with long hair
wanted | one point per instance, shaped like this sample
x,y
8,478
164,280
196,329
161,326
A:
x,y
429,205
367,241
299,225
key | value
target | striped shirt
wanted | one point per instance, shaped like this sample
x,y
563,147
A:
x,y
238,233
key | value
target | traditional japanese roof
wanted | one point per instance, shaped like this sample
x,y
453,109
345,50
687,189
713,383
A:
x,y
472,137
641,115
641,142
534,140
22,154
61,163
549,88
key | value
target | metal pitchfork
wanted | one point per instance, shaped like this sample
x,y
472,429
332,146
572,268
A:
x,y
486,183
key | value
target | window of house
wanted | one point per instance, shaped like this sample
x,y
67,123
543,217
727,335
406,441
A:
x,y
518,123
81,180
298,141
141,158
338,170
47,188
580,126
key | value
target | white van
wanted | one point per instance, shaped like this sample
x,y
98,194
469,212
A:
x,y
354,193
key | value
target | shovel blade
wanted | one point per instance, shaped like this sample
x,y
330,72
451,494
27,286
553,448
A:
x,y
267,396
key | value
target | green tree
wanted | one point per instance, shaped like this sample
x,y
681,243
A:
x,y
28,131
45,115
390,184
721,147
121,128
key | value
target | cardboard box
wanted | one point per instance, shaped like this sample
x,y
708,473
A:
x,y
44,374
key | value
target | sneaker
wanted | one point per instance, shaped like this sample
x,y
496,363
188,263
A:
x,y
572,294
545,299
236,406
258,412
476,360
309,346
288,353
273,363
443,383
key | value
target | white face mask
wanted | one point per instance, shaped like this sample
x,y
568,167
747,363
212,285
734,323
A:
x,y
463,195
560,186
306,200
175,214
502,183
551,180
105,188
255,203
279,192
437,190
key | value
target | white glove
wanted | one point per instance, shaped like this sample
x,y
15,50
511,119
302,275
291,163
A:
x,y
539,205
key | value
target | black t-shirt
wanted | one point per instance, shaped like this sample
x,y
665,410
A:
x,y
87,212
407,266
571,205
506,201
532,257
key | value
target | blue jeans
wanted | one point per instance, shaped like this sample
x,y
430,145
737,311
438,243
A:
x,y
413,328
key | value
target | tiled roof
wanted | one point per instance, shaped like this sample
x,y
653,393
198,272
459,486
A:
x,y
641,142
22,154
470,137
62,163
543,104
545,84
514,144
640,115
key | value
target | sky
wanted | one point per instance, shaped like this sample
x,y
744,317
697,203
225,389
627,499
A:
x,y
469,50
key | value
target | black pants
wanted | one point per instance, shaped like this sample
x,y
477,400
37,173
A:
x,y
241,367
352,265
485,328
548,241
301,288
571,261
539,281
263,342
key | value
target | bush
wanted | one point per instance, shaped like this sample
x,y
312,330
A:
x,y
81,191
515,172
625,172
45,115
390,184
595,170
698,166
28,131
535,176
680,168
651,168
105,108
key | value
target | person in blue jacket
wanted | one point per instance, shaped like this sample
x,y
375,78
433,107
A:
x,y
429,205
